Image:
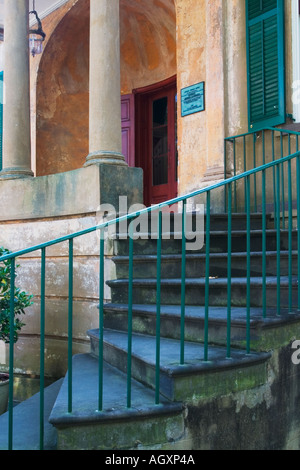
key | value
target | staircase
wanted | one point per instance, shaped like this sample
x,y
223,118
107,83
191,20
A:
x,y
197,384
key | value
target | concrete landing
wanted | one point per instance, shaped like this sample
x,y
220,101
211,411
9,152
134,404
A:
x,y
26,423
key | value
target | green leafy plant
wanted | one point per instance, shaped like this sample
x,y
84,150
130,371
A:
x,y
21,301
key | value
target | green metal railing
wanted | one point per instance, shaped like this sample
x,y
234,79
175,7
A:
x,y
247,178
248,151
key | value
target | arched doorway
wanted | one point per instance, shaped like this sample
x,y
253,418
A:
x,y
148,56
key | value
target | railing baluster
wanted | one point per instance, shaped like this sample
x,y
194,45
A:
x,y
70,329
254,176
278,239
274,179
248,295
229,272
225,174
282,182
264,299
101,318
264,244
158,309
244,155
130,300
298,219
11,354
207,276
290,229
42,347
234,172
183,278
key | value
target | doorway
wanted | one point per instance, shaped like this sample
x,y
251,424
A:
x,y
156,140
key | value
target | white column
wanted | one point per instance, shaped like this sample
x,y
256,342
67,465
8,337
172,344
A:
x,y
16,109
105,133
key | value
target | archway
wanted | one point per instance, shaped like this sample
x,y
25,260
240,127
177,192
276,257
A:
x,y
148,55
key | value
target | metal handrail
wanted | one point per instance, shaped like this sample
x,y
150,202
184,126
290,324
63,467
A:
x,y
227,184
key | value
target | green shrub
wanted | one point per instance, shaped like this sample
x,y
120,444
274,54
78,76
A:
x,y
21,301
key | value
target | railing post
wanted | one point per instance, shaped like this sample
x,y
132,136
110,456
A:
x,y
254,176
42,347
234,172
290,229
244,154
278,239
158,308
207,244
298,222
264,244
101,318
248,295
282,182
274,180
11,353
70,329
229,273
130,301
183,278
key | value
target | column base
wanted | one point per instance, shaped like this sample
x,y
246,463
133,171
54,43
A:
x,y
15,173
109,158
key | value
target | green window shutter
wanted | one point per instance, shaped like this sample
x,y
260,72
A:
x,y
265,62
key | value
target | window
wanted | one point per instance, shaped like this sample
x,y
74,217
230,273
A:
x,y
265,61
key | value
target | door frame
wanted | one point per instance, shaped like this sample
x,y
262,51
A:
x,y
142,127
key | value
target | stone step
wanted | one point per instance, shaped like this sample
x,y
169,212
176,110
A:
x,y
172,242
217,221
144,425
145,291
195,265
196,378
264,332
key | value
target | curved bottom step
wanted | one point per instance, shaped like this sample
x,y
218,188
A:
x,y
144,424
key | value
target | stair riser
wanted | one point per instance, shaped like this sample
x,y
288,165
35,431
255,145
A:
x,y
195,267
218,244
217,221
195,295
170,328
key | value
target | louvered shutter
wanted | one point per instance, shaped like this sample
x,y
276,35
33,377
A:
x,y
265,57
1,118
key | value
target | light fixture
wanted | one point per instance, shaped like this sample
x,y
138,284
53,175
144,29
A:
x,y
36,36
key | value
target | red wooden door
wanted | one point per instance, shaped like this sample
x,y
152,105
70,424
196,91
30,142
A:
x,y
162,153
156,150
128,130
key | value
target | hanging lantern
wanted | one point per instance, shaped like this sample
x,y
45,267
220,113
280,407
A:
x,y
36,36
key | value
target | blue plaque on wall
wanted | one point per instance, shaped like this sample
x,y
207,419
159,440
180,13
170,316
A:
x,y
192,99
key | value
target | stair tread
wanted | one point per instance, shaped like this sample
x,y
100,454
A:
x,y
144,347
85,396
254,280
216,314
235,254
